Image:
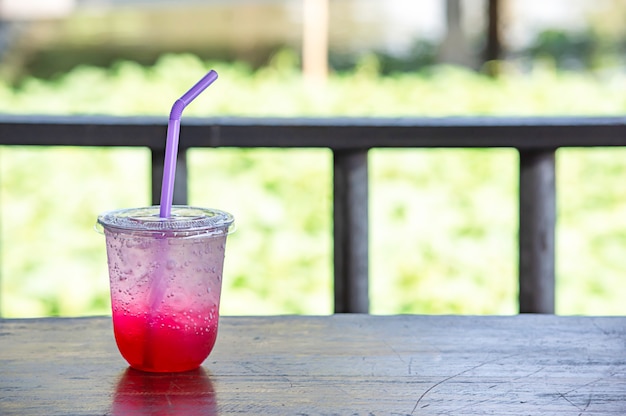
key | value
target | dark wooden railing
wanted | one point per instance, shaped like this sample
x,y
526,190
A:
x,y
536,139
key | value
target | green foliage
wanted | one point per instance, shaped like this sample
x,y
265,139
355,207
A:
x,y
278,90
586,49
443,222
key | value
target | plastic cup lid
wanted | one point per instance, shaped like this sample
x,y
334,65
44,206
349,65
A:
x,y
184,221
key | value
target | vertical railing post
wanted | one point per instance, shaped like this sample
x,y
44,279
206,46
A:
x,y
350,218
180,183
537,223
1,268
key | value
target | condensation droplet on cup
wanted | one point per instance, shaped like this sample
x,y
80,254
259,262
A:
x,y
170,265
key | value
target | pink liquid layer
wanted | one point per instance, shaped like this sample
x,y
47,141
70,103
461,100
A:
x,y
165,343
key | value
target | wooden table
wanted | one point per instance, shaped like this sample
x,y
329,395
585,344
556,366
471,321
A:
x,y
333,365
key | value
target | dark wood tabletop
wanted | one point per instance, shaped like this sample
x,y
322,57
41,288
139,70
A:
x,y
331,365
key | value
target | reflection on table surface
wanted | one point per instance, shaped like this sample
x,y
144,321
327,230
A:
x,y
188,393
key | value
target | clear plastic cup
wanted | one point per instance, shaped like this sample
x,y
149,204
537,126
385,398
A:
x,y
166,279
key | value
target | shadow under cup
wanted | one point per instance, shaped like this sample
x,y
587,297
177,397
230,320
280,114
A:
x,y
166,279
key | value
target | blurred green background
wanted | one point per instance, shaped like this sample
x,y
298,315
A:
x,y
443,223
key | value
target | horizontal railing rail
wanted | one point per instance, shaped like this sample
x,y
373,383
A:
x,y
536,139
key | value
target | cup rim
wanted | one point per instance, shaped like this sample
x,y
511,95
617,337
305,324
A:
x,y
185,221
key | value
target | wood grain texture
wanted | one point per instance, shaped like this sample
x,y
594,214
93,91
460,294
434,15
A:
x,y
342,364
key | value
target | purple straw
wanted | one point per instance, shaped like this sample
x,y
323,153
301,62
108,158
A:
x,y
171,145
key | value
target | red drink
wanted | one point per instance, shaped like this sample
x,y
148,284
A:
x,y
166,343
166,279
